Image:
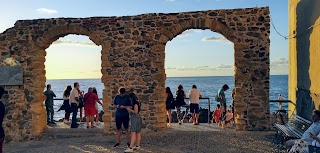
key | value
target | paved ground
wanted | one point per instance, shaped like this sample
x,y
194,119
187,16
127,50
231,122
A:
x,y
185,138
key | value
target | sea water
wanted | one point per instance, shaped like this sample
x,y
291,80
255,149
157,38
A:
x,y
208,87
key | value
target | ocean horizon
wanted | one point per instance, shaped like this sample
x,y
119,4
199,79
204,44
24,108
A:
x,y
208,86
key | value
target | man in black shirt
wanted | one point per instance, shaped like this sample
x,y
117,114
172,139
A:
x,y
2,111
49,104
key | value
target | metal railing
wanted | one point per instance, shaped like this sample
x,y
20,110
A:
x,y
208,106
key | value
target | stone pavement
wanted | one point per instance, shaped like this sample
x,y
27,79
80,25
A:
x,y
185,138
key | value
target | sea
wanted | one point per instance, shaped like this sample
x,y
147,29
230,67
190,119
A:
x,y
208,86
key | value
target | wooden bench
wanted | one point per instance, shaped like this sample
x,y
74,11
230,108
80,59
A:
x,y
293,129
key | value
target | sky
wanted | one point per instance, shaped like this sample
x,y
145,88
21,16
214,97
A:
x,y
192,53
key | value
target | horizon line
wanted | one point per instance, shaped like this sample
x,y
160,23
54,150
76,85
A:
x,y
167,77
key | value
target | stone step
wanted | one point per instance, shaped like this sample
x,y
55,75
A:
x,y
48,136
71,130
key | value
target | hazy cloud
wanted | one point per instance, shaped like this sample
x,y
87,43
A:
x,y
201,68
78,43
47,11
222,66
281,62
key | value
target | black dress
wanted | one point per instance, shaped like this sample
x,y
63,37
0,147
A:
x,y
180,98
2,112
170,104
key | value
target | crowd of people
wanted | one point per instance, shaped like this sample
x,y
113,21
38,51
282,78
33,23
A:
x,y
125,104
74,100
221,115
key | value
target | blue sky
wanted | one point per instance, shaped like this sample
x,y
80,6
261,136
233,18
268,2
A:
x,y
192,53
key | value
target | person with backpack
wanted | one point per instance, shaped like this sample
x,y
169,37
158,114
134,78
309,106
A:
x,y
181,95
221,97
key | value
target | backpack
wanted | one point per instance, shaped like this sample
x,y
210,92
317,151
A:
x,y
216,97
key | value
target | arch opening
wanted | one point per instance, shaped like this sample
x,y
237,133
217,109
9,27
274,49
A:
x,y
202,58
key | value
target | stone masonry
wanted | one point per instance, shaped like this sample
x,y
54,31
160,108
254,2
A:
x,y
133,55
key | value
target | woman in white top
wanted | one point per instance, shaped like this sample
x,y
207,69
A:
x,y
66,105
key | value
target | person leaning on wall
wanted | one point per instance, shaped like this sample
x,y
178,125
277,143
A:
x,y
2,112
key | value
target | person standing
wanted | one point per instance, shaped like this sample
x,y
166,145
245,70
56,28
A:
x,y
49,104
96,105
66,105
169,104
280,98
194,96
80,104
180,96
90,99
223,102
136,123
74,100
2,113
121,102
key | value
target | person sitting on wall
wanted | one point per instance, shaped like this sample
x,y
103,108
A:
x,y
2,113
307,136
49,104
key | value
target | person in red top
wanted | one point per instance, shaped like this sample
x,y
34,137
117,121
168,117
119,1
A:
x,y
90,100
216,114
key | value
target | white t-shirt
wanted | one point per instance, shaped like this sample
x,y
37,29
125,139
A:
x,y
315,142
72,98
64,97
194,95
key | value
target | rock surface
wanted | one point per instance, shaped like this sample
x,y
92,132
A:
x,y
133,55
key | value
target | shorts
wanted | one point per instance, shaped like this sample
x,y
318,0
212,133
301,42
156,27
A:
x,y
90,111
122,120
194,108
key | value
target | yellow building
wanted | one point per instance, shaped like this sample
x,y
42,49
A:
x,y
304,56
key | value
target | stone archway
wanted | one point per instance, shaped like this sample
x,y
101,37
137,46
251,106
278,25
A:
x,y
247,76
39,46
133,57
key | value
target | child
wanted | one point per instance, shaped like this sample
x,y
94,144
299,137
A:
x,y
229,118
216,114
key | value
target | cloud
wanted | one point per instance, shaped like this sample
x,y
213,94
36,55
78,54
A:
x,y
188,33
216,39
219,39
222,66
202,68
46,11
281,62
77,43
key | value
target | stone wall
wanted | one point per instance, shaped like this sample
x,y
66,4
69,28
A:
x,y
133,55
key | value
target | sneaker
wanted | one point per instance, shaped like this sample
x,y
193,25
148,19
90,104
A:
x,y
128,150
116,145
128,145
136,148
